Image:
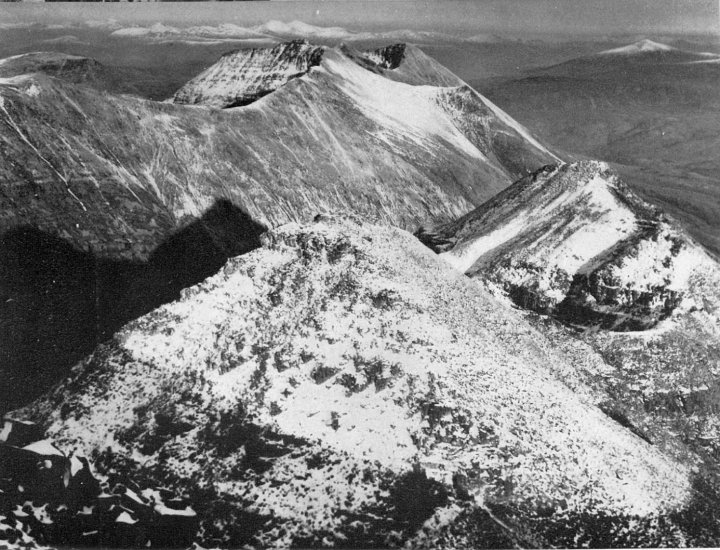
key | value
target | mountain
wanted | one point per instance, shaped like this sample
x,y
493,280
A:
x,y
575,241
574,244
548,380
342,385
82,70
243,76
275,30
160,31
69,67
643,53
144,198
652,114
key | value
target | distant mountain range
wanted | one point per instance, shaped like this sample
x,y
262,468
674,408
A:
x,y
280,30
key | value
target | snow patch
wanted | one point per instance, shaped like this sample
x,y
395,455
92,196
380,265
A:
x,y
44,447
409,111
642,46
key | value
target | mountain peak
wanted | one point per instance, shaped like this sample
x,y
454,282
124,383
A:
x,y
642,46
362,360
242,76
575,241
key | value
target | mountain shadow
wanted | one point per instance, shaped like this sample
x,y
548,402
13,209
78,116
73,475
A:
x,y
57,302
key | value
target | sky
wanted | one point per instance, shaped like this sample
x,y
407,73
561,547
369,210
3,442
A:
x,y
497,16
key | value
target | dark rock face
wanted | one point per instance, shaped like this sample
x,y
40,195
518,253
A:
x,y
18,433
602,297
60,302
389,57
47,498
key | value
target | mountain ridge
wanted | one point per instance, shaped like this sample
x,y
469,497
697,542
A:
x,y
575,241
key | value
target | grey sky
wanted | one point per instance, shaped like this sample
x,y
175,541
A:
x,y
496,16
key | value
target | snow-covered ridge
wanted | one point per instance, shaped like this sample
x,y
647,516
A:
x,y
353,356
299,29
575,241
642,46
404,110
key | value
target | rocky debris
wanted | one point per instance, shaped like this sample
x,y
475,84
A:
x,y
342,385
19,433
575,242
48,498
243,76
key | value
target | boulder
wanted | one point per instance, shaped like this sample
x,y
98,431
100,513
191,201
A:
x,y
20,433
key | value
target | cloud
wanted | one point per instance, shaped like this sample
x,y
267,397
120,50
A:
x,y
271,31
203,34
65,39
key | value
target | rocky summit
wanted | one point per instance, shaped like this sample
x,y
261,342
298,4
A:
x,y
241,77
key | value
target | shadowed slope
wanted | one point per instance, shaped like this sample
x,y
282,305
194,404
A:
x,y
58,303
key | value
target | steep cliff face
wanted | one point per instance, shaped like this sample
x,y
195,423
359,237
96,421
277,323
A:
x,y
576,242
343,385
241,77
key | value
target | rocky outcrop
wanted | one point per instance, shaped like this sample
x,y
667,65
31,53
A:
x,y
409,64
388,57
575,242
